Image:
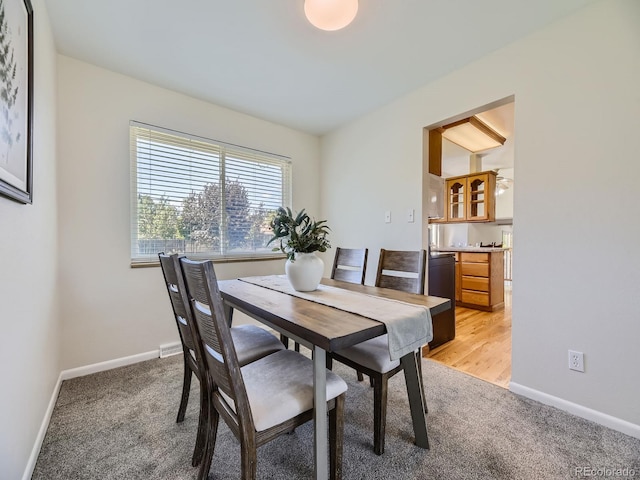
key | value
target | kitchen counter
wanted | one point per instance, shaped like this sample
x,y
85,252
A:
x,y
467,249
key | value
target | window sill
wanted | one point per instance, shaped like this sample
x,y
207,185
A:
x,y
248,258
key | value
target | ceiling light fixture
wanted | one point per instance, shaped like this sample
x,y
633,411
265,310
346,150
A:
x,y
330,15
502,183
472,134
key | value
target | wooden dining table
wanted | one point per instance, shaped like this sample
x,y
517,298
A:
x,y
323,329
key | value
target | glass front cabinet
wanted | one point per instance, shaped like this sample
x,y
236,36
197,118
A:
x,y
471,198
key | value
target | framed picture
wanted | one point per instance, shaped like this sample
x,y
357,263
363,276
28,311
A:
x,y
16,99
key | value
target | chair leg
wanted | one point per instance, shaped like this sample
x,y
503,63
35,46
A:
x,y
203,425
360,376
380,390
212,431
248,459
186,387
296,347
284,340
336,438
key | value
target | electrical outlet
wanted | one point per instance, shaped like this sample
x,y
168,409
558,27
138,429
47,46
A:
x,y
576,361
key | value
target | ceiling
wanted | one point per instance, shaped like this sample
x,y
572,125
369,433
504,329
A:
x,y
263,58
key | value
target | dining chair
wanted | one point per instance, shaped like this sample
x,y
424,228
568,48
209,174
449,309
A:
x,y
398,270
261,400
251,342
349,265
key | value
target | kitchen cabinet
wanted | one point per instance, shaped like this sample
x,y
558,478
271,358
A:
x,y
479,274
471,198
482,280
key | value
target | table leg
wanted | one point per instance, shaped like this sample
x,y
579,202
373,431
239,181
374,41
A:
x,y
228,313
416,402
321,440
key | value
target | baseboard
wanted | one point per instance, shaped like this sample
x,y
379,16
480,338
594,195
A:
x,y
609,421
33,458
108,365
73,373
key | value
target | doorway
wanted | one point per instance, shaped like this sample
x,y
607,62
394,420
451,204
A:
x,y
482,345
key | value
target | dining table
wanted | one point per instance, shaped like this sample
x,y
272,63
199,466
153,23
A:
x,y
323,328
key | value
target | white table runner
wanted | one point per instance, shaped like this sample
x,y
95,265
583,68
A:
x,y
409,326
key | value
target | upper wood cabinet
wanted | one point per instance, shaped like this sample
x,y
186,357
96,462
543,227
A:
x,y
471,198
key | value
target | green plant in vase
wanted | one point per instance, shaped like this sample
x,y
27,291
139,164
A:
x,y
299,237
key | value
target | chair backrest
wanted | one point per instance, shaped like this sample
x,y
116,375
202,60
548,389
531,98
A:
x,y
175,286
350,265
402,270
215,335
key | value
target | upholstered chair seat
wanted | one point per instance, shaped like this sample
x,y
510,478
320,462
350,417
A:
x,y
253,343
280,386
372,354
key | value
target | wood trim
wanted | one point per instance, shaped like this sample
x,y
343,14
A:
x,y
487,130
435,152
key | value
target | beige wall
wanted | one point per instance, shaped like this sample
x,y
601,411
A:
x,y
576,238
108,309
30,340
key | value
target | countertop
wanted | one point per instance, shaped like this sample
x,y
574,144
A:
x,y
467,249
440,254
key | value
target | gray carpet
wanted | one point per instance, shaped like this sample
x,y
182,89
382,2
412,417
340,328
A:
x,y
120,424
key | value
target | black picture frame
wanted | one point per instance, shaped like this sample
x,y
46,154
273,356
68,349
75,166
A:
x,y
16,100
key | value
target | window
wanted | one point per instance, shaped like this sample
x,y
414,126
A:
x,y
202,198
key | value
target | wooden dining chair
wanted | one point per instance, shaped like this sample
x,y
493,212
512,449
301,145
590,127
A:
x,y
349,265
399,270
263,399
251,341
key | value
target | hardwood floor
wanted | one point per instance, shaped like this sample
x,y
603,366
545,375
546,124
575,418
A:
x,y
482,346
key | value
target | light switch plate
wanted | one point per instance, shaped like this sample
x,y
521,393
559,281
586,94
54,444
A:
x,y
387,217
411,215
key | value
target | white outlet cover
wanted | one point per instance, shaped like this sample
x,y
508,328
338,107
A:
x,y
576,361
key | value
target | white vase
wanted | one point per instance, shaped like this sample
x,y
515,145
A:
x,y
305,272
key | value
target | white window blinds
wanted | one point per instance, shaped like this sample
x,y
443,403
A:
x,y
200,197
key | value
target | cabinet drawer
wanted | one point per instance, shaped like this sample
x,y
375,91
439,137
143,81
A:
x,y
476,298
474,257
475,269
475,283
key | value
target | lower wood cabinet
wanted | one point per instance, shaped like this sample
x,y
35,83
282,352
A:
x,y
482,280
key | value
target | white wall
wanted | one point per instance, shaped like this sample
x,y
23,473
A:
x,y
576,115
108,309
29,343
504,201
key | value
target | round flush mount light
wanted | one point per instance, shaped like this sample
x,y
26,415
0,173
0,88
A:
x,y
330,15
